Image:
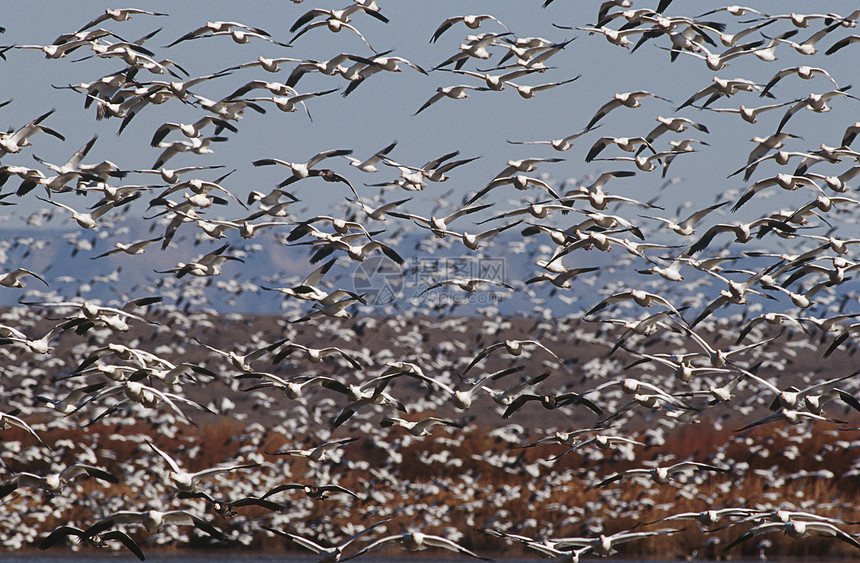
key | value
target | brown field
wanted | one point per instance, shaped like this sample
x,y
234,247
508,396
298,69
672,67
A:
x,y
472,479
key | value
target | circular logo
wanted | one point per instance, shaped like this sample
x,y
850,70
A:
x,y
379,280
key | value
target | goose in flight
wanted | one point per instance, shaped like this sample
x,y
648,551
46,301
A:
x,y
816,102
562,144
512,347
335,26
54,482
750,115
602,441
360,71
294,387
529,91
87,220
735,292
313,355
803,71
462,400
471,21
474,241
640,297
227,508
673,124
494,82
98,540
624,99
563,438
118,15
13,278
171,176
291,103
790,416
301,170
346,243
604,545
187,482
8,420
519,181
415,541
434,170
476,46
807,47
369,165
319,453
458,92
190,130
660,475
196,145
628,144
842,43
309,288
71,166
152,521
719,61
333,309
207,265
331,554
316,492
561,279
616,37
242,362
14,142
547,547
150,397
685,227
721,87
218,27
91,314
439,225
420,427
551,402
334,17
795,529
132,249
788,182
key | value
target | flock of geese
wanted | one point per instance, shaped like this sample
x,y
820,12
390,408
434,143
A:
x,y
644,357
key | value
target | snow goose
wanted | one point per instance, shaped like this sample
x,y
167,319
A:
x,y
795,529
512,347
227,508
331,554
216,27
659,475
420,427
187,482
415,541
54,482
318,453
13,278
439,224
454,92
8,420
97,540
625,99
118,15
14,142
369,165
471,21
152,521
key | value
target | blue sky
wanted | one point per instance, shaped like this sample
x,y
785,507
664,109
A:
x,y
380,111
